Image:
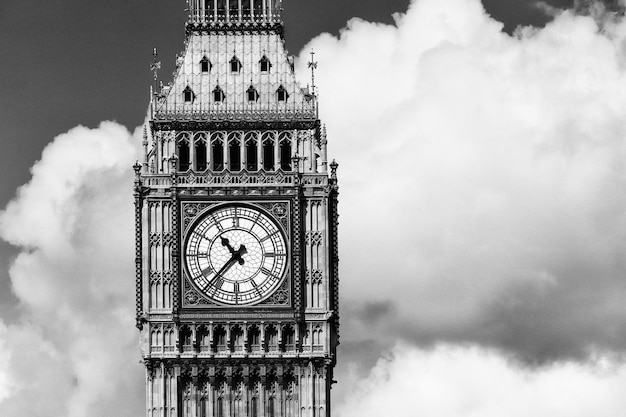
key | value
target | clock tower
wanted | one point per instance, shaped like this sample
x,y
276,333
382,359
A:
x,y
236,227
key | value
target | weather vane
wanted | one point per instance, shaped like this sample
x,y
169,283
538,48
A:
x,y
313,66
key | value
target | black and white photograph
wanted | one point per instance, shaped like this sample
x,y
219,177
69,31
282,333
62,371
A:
x,y
313,208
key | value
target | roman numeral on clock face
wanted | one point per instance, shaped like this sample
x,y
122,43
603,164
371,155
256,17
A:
x,y
256,288
217,283
269,236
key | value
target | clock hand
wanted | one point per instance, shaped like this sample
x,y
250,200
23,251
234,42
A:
x,y
226,267
241,251
226,242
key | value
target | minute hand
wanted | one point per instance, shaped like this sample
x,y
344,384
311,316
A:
x,y
235,258
232,261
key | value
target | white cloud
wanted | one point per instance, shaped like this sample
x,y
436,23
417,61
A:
x,y
74,277
481,177
452,381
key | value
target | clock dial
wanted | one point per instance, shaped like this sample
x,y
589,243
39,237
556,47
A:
x,y
236,255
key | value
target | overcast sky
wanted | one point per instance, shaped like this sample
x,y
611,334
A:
x,y
483,217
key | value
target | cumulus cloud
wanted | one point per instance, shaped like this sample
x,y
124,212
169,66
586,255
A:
x,y
481,179
458,382
75,343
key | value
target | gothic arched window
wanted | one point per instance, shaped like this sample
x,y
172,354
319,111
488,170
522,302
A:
x,y
251,152
235,64
266,65
282,93
188,95
253,95
217,154
208,9
271,407
237,336
183,152
245,8
200,151
233,11
254,338
221,8
205,64
254,407
285,151
258,8
220,408
234,152
218,94
289,339
268,152
272,339
220,340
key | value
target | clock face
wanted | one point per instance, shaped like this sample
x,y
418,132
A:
x,y
236,255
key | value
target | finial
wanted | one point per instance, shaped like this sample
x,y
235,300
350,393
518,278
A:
x,y
155,66
313,66
333,169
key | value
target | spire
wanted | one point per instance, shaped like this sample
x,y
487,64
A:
x,y
313,66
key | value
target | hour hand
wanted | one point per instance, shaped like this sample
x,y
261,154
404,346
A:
x,y
241,251
226,242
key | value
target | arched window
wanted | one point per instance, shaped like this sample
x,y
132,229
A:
x,y
183,152
217,154
254,338
282,93
266,65
203,411
234,10
220,340
203,336
237,336
245,8
205,64
218,94
285,151
268,152
289,336
219,412
258,8
272,339
185,339
200,151
271,407
251,152
234,152
188,95
254,407
221,8
208,9
235,64
252,94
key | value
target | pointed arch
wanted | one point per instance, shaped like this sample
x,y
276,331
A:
x,y
268,143
234,151
285,151
252,152
217,151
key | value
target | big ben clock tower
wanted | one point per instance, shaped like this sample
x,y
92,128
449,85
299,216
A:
x,y
236,227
